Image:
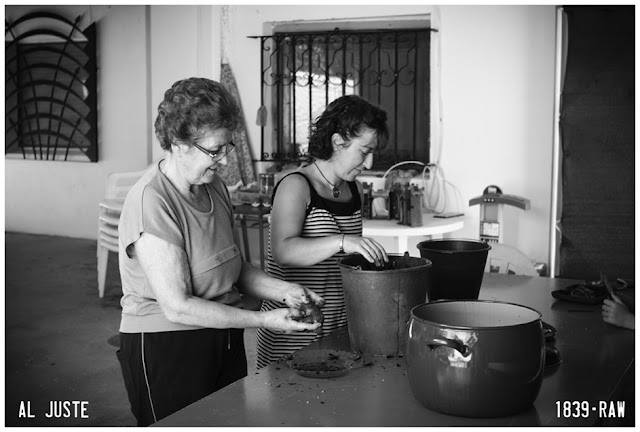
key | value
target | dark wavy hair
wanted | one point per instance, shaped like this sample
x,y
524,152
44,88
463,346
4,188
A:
x,y
191,109
346,116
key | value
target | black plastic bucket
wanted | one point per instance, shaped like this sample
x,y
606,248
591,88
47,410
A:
x,y
458,267
379,302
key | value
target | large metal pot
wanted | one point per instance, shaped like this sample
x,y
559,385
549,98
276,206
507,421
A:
x,y
475,358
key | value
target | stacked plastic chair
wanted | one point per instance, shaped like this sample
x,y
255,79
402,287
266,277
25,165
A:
x,y
118,185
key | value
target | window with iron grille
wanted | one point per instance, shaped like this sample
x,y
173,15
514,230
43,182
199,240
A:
x,y
50,89
301,73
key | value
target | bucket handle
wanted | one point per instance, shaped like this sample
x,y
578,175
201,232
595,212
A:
x,y
451,343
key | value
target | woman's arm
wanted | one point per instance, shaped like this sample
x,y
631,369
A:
x,y
287,219
258,284
167,271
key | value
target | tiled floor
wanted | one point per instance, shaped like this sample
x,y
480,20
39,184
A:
x,y
60,336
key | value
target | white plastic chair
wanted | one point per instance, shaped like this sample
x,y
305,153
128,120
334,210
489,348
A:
x,y
506,259
118,185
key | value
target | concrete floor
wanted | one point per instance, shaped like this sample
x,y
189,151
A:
x,y
60,337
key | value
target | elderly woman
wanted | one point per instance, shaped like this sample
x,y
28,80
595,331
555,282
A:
x,y
183,278
317,216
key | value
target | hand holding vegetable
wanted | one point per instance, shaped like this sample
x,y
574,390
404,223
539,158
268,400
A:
x,y
304,305
286,320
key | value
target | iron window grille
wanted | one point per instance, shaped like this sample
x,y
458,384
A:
x,y
50,88
301,73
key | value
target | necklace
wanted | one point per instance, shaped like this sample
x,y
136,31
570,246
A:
x,y
335,188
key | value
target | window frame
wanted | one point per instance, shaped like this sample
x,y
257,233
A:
x,y
270,119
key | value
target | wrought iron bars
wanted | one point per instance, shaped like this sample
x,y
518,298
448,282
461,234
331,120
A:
x,y
301,73
50,85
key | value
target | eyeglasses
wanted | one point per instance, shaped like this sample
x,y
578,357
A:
x,y
220,153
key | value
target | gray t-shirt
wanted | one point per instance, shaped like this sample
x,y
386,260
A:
x,y
154,206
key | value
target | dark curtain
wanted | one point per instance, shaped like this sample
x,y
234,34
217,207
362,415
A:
x,y
597,133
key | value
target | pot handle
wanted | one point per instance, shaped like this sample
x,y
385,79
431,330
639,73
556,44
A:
x,y
451,343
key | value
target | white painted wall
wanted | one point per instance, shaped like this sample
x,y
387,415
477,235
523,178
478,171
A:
x,y
174,52
497,92
497,105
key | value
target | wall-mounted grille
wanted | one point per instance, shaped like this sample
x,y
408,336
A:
x,y
301,73
50,88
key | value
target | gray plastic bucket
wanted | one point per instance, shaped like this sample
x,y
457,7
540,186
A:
x,y
379,303
458,267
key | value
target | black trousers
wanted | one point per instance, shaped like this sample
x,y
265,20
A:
x,y
164,372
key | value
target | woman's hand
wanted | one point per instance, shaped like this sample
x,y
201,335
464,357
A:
x,y
616,313
295,295
282,319
370,249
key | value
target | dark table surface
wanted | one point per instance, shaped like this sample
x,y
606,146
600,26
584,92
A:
x,y
595,355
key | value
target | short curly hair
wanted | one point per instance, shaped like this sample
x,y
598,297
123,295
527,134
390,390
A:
x,y
193,108
346,116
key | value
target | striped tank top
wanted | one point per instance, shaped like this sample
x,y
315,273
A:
x,y
324,217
